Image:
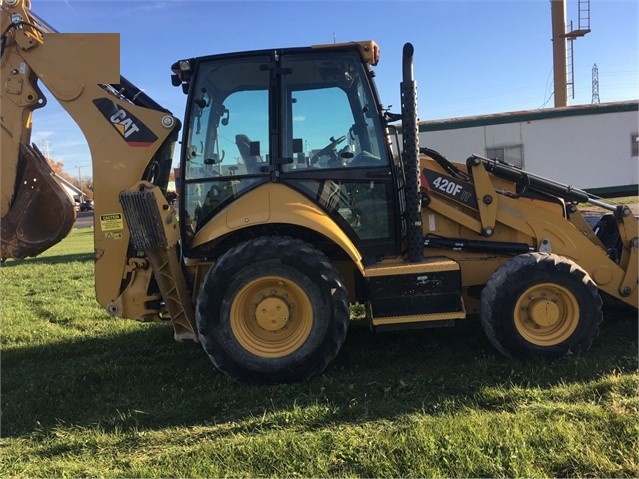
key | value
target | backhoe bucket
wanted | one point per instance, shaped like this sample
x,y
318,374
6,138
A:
x,y
42,213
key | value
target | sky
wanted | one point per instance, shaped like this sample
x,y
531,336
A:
x,y
471,58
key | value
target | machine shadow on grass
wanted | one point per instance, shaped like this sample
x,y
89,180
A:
x,y
144,381
52,260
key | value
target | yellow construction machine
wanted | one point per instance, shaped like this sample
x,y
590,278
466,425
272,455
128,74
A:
x,y
297,198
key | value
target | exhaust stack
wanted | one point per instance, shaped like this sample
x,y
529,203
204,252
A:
x,y
410,157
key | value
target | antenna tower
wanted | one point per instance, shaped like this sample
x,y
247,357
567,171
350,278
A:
x,y
44,146
595,84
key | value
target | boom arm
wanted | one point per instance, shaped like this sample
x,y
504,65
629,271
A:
x,y
130,137
36,212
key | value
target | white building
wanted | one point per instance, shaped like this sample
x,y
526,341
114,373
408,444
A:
x,y
591,147
73,191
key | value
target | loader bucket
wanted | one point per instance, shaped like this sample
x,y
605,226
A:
x,y
42,213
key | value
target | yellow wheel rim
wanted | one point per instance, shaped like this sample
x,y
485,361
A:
x,y
546,314
271,316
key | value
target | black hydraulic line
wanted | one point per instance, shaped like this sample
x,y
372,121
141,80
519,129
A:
x,y
444,163
475,246
3,40
14,25
136,96
530,180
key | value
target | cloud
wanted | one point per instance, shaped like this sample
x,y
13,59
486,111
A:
x,y
146,7
74,144
41,135
68,4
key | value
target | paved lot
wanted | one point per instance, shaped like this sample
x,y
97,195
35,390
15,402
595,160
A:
x,y
84,219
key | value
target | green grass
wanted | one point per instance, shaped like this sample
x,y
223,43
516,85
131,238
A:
x,y
86,395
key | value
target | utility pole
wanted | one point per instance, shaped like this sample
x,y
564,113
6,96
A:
x,y
560,39
80,176
558,12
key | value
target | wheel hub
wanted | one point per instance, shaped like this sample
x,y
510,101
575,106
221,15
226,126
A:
x,y
271,316
544,312
272,313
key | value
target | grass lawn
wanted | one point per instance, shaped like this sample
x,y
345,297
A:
x,y
86,395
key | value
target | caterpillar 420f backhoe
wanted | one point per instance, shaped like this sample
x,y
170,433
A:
x,y
294,201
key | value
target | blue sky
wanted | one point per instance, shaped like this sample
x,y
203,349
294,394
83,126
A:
x,y
471,57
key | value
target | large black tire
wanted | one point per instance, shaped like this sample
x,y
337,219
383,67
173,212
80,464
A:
x,y
540,305
272,310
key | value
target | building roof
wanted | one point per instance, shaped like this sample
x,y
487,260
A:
x,y
528,115
71,189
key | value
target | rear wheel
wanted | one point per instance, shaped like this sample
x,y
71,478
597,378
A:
x,y
540,306
272,310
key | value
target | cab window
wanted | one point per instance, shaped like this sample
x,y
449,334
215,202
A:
x,y
337,144
227,139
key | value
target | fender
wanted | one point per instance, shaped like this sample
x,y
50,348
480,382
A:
x,y
291,208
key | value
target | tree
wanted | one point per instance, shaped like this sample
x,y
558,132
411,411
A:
x,y
58,169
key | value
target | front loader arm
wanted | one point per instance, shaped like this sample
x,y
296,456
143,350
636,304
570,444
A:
x,y
484,202
130,138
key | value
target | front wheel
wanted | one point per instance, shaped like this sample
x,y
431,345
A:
x,y
540,306
272,310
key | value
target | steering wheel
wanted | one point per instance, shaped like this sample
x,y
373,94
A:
x,y
328,149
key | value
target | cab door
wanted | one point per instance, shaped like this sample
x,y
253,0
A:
x,y
336,147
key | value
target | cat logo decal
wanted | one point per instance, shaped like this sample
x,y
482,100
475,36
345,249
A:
x,y
130,128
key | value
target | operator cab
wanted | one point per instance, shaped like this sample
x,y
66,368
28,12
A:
x,y
304,117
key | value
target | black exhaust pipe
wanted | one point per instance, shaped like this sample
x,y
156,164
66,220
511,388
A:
x,y
410,157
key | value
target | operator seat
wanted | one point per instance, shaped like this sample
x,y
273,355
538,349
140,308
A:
x,y
252,162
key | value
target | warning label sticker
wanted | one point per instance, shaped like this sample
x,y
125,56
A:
x,y
113,236
111,222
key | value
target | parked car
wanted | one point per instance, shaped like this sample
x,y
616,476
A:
x,y
86,205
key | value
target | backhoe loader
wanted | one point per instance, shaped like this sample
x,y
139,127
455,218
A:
x,y
298,195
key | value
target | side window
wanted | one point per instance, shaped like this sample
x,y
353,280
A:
x,y
510,154
230,139
226,143
244,134
329,122
360,206
322,121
